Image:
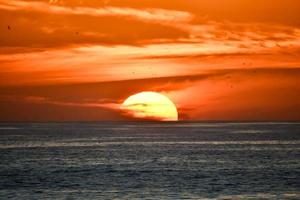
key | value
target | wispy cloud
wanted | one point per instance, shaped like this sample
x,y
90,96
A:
x,y
51,100
121,62
149,15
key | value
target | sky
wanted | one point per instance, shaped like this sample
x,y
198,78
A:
x,y
78,60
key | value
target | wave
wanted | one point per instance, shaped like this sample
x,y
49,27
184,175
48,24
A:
x,y
143,143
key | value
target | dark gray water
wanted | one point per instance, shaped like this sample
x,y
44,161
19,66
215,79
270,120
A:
x,y
150,161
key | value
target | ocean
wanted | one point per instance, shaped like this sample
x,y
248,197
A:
x,y
147,160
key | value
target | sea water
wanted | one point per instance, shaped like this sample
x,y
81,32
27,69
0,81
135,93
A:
x,y
140,160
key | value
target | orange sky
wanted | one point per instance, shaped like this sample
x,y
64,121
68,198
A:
x,y
64,60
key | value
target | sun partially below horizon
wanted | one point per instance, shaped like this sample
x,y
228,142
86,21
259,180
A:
x,y
150,106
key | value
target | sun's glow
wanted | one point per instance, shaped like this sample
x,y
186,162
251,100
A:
x,y
150,106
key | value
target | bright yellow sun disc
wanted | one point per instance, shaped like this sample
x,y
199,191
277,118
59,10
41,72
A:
x,y
150,105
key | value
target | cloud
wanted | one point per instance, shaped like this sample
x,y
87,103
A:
x,y
148,15
94,63
69,24
50,100
57,31
258,94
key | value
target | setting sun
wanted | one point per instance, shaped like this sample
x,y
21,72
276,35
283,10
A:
x,y
150,106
